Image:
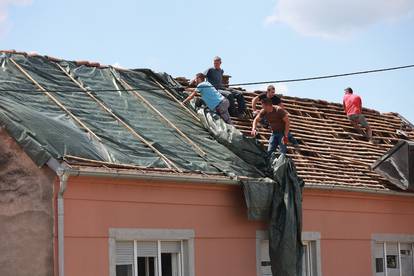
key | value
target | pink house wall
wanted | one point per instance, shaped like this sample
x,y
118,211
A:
x,y
347,221
225,241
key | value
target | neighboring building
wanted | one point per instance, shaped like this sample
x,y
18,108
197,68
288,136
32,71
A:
x,y
99,183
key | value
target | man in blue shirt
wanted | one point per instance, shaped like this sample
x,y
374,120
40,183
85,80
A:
x,y
214,76
211,97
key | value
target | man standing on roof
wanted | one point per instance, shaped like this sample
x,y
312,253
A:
x,y
211,97
353,109
214,76
270,94
279,123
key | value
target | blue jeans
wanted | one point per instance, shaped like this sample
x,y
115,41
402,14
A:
x,y
276,140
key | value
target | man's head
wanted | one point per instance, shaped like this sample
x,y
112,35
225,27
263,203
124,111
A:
x,y
267,104
217,62
348,90
199,78
271,91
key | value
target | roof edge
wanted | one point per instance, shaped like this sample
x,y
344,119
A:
x,y
405,120
63,168
358,190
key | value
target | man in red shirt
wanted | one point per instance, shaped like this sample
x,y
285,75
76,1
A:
x,y
353,109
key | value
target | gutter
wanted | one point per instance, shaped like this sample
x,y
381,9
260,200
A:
x,y
358,190
63,179
155,176
63,175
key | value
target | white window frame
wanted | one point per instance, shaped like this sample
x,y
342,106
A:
x,y
306,238
389,238
129,234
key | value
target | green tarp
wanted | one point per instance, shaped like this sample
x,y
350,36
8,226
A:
x,y
285,224
276,199
45,130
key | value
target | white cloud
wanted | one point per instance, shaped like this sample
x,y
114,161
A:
x,y
4,12
337,18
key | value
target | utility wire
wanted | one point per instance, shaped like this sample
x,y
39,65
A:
x,y
327,76
230,85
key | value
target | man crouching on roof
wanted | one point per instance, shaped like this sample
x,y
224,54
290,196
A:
x,y
353,109
279,123
212,98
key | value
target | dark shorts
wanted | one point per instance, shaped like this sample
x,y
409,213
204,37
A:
x,y
358,118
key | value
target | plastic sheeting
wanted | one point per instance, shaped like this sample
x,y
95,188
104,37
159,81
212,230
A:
x,y
246,148
279,201
45,130
397,165
276,199
285,226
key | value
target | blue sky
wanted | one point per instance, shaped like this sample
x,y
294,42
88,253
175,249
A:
x,y
258,40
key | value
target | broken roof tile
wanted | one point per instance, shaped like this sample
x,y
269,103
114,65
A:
x,y
331,151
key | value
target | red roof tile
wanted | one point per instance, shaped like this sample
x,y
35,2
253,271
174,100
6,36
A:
x,y
332,152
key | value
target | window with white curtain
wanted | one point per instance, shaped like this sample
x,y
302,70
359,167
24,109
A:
x,y
394,258
151,252
150,258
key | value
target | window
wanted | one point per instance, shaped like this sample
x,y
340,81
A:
x,y
393,255
394,258
309,264
310,260
150,258
151,252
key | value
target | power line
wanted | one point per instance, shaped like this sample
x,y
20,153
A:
x,y
327,76
230,85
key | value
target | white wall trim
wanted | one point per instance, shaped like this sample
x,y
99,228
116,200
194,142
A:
x,y
150,234
130,234
393,238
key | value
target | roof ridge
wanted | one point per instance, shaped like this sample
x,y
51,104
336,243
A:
x,y
55,59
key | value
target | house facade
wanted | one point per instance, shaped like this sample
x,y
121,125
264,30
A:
x,y
73,215
116,222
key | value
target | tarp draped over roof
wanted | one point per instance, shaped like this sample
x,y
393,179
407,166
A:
x,y
45,130
277,199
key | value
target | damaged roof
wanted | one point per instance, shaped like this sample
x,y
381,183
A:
x,y
79,111
88,114
332,152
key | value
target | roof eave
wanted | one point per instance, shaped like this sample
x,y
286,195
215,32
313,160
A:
x,y
357,190
63,168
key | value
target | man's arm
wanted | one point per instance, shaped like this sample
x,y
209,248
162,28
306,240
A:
x,y
254,102
255,121
360,103
287,128
343,103
192,95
